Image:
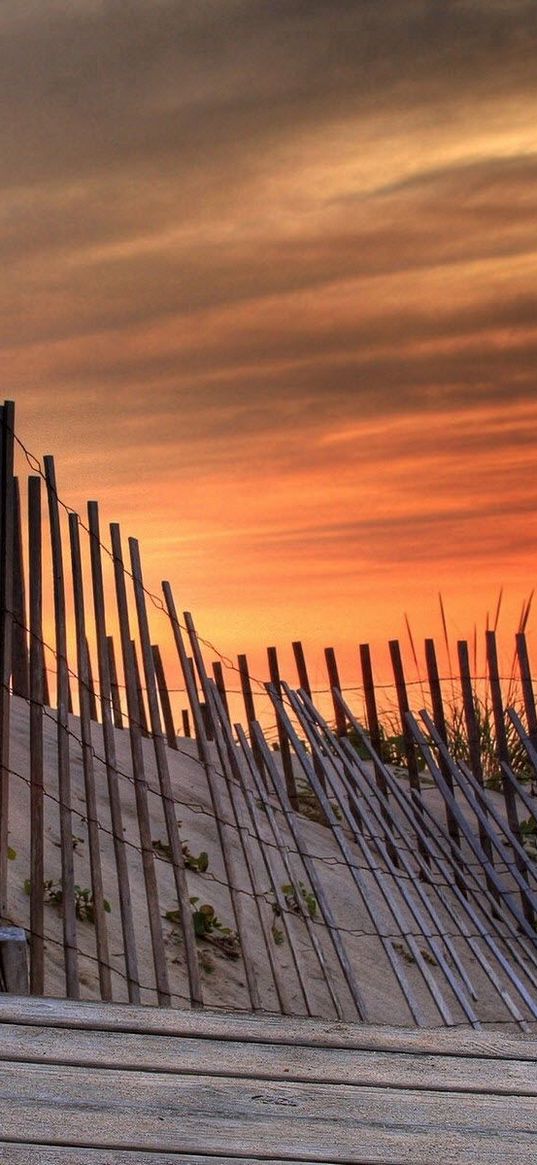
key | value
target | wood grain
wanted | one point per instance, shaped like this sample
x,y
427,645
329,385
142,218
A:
x,y
172,1113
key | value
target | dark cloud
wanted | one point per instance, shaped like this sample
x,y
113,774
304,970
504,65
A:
x,y
89,88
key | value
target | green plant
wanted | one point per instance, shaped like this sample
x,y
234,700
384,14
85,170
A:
x,y
84,904
277,935
308,805
200,863
292,900
208,926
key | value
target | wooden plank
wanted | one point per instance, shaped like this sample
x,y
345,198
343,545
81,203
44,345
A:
x,y
25,1154
114,685
164,697
64,773
168,1112
37,873
140,785
114,799
20,673
267,1061
92,818
168,803
273,1029
185,718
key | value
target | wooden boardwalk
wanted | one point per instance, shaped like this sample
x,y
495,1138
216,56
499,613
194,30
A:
x,y
102,1084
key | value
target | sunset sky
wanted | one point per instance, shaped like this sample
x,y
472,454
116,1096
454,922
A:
x,y
269,277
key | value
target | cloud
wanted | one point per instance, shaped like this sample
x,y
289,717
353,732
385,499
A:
x,y
268,264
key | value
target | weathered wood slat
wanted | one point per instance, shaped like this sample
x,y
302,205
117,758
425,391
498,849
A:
x,y
267,1061
101,931
64,765
164,697
20,677
104,659
169,1112
265,1028
7,423
37,874
140,784
25,1154
161,759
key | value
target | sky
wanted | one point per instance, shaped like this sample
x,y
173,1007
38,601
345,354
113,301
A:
x,y
269,294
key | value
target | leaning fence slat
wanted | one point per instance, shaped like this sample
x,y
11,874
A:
x,y
231,771
373,722
37,872
185,720
474,747
467,832
502,752
116,815
295,828
6,630
176,852
285,751
140,785
164,697
20,635
99,914
142,716
249,706
404,708
64,772
227,835
527,686
302,671
218,673
440,721
204,754
335,683
114,685
91,687
390,903
283,854
441,838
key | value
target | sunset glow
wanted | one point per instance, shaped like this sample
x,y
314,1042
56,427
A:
x,y
269,294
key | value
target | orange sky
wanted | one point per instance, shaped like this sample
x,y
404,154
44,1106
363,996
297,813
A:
x,y
268,293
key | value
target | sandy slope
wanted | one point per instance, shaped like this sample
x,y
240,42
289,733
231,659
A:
x,y
223,979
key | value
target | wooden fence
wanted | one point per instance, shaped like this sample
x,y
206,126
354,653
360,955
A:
x,y
352,872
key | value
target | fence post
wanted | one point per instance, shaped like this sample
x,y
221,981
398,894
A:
x,y
37,874
334,682
13,960
164,696
62,735
7,419
285,750
20,638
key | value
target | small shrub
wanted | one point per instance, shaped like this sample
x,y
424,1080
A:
x,y
84,904
199,862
